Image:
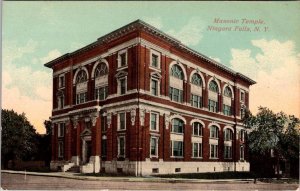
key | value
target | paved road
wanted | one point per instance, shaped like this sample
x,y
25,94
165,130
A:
x,y
18,181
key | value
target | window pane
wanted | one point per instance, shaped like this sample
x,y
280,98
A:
x,y
123,86
154,60
123,59
153,121
195,150
121,146
154,87
122,121
177,148
153,146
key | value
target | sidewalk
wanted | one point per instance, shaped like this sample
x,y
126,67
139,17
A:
x,y
79,176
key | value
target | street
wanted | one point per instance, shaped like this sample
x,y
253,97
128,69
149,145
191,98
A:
x,y
18,181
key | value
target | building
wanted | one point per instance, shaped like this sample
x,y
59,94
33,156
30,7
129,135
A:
x,y
138,101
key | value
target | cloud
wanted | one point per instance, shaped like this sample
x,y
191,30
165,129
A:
x,y
244,63
25,89
154,21
35,109
51,55
11,50
276,70
191,33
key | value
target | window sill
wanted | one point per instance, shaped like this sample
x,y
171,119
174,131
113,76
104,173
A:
x,y
155,68
177,133
198,136
178,157
213,158
122,67
154,156
197,157
214,138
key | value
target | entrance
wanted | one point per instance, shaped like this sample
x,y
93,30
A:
x,y
88,150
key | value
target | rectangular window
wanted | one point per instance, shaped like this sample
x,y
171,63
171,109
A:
x,y
154,146
242,135
154,87
197,150
121,146
212,106
177,148
81,97
104,148
242,152
227,152
122,121
196,101
242,97
242,113
60,149
154,60
176,94
122,86
122,58
61,81
61,130
213,151
226,110
101,93
154,122
61,102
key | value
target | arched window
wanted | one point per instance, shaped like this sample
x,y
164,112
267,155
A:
x,y
228,134
213,99
176,84
196,80
177,72
101,84
197,129
213,86
101,70
214,132
227,92
81,87
196,91
81,77
227,101
177,126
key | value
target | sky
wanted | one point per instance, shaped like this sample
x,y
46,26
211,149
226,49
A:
x,y
258,39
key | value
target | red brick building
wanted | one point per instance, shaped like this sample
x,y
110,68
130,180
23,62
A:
x,y
138,101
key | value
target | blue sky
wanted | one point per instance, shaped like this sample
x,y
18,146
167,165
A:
x,y
36,32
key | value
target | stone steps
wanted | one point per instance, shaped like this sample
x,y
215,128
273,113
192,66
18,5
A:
x,y
75,169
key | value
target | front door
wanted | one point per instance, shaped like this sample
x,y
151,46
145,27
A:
x,y
88,150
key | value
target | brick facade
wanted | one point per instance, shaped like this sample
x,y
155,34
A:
x,y
93,137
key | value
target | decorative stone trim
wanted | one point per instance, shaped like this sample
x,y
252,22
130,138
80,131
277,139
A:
x,y
133,114
108,117
142,116
167,120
